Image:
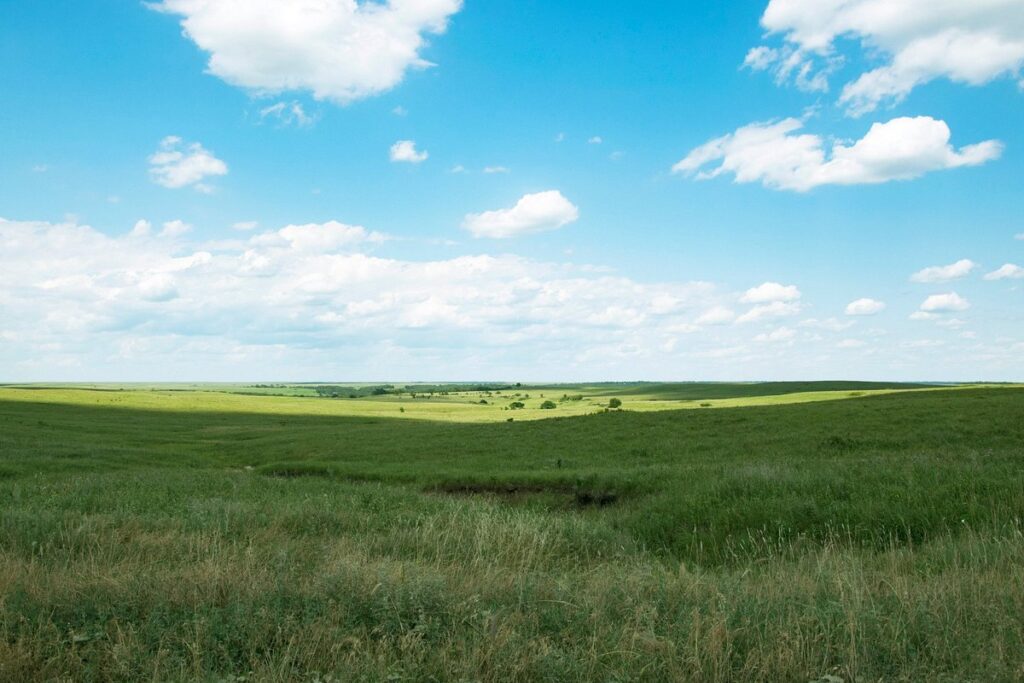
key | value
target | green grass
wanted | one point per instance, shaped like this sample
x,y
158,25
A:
x,y
200,535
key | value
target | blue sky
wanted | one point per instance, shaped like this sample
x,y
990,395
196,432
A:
x,y
531,190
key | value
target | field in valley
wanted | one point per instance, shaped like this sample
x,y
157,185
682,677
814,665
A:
x,y
702,532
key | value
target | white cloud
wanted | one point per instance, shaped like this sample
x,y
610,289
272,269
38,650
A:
x,y
339,50
176,164
400,111
953,271
287,114
770,291
405,151
1006,271
776,309
851,344
532,213
865,307
158,287
970,42
142,228
319,237
495,169
596,140
174,228
943,303
245,226
1019,236
775,155
922,315
719,315
779,334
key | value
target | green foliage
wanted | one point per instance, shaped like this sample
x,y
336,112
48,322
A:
x,y
548,405
614,403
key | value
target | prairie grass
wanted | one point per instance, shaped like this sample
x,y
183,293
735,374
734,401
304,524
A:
x,y
873,539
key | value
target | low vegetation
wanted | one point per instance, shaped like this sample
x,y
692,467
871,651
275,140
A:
x,y
213,536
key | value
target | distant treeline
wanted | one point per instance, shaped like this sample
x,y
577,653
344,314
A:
x,y
342,391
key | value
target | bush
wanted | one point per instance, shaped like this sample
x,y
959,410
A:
x,y
614,403
548,405
516,405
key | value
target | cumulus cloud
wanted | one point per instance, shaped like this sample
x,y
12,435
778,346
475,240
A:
x,y
1007,271
777,156
865,307
176,164
953,271
944,303
918,41
405,151
339,50
142,228
537,212
1019,236
770,291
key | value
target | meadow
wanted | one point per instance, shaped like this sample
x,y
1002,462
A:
x,y
702,532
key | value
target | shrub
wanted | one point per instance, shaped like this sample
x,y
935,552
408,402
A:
x,y
548,405
516,405
614,403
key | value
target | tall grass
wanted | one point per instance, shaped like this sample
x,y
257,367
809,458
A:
x,y
750,545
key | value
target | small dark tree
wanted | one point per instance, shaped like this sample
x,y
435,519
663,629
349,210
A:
x,y
614,403
548,405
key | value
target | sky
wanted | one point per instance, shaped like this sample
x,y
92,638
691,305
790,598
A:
x,y
333,190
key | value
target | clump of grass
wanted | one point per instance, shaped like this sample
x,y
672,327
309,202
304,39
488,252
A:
x,y
291,470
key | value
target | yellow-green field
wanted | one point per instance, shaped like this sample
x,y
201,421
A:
x,y
459,406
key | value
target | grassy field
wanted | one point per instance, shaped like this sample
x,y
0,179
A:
x,y
704,533
450,405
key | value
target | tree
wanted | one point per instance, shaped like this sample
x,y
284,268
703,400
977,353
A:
x,y
614,403
548,405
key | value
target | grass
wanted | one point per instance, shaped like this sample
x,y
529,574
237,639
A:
x,y
211,536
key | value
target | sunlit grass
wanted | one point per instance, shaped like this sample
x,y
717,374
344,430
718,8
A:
x,y
177,536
